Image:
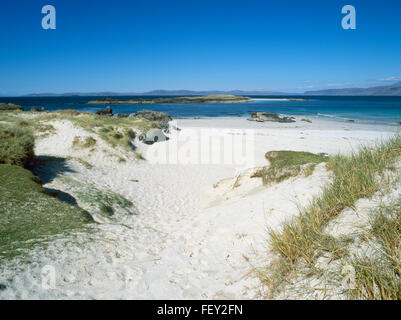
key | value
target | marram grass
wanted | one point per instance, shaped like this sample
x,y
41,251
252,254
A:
x,y
354,177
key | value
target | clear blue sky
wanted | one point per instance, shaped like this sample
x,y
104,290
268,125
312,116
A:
x,y
134,46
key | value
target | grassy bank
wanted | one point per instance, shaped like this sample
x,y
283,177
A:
x,y
16,145
286,164
378,276
28,215
303,240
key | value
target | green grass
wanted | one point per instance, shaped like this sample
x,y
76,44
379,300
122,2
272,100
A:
x,y
10,107
117,132
379,276
303,239
286,164
83,143
103,202
29,216
37,125
16,145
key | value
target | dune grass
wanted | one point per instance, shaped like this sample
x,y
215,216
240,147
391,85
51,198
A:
x,y
303,239
37,125
16,145
378,276
117,132
83,143
28,215
286,164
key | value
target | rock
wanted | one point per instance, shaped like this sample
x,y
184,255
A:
x,y
10,107
160,117
2,287
153,115
267,116
105,112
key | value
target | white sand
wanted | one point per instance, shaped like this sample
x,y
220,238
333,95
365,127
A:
x,y
196,220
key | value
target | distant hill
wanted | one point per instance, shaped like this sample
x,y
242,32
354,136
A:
x,y
390,90
162,93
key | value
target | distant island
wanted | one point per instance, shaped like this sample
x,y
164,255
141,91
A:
x,y
178,93
390,90
203,99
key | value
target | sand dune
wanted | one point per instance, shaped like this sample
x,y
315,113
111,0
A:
x,y
194,219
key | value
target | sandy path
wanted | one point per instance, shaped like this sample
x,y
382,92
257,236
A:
x,y
188,239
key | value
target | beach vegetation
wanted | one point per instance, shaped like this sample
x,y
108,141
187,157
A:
x,y
16,145
302,240
378,275
10,107
83,143
29,216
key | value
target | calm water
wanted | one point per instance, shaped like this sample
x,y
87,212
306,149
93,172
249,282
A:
x,y
360,109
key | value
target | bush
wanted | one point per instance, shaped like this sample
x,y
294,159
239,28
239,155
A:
x,y
16,145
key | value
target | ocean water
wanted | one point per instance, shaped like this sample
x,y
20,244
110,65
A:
x,y
380,110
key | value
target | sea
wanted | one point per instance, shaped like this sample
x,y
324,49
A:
x,y
372,110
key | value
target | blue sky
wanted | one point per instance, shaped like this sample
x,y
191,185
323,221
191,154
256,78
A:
x,y
135,46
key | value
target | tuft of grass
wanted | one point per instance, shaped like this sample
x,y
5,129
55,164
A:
x,y
302,239
139,156
379,276
16,145
286,164
83,143
28,215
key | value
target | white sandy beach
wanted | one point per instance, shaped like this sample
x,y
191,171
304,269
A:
x,y
198,217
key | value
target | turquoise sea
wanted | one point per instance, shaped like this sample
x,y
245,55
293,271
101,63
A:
x,y
380,110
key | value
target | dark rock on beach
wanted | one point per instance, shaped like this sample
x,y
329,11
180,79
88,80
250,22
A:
x,y
152,115
267,116
160,117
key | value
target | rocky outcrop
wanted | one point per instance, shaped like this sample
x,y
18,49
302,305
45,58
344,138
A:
x,y
157,116
10,107
105,112
267,116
